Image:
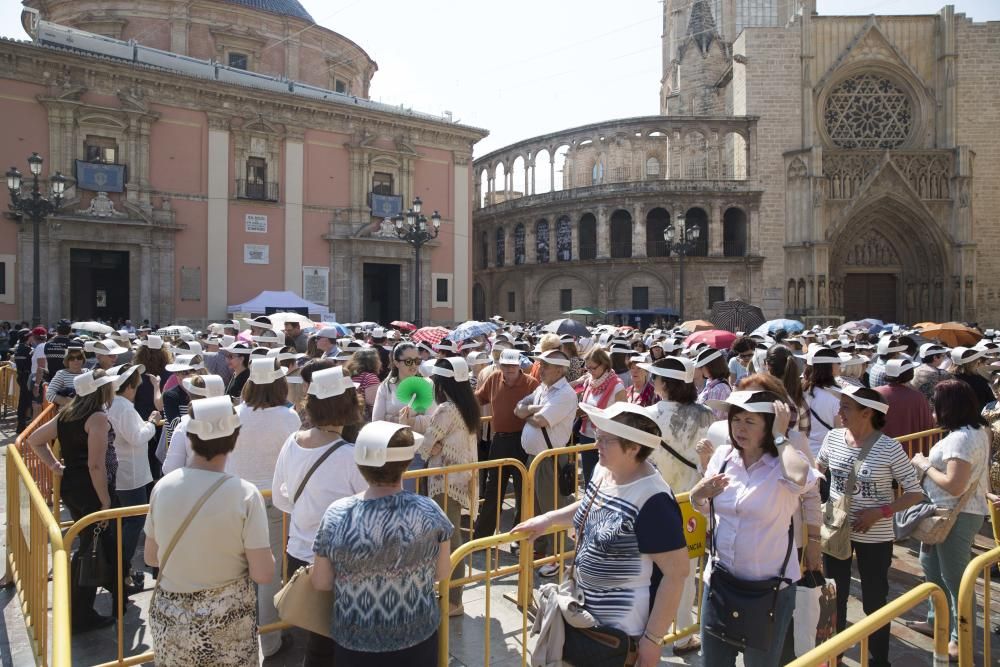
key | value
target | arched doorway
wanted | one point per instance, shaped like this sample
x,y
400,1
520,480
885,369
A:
x,y
656,222
889,261
621,234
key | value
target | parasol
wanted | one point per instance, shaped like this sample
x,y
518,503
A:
x,y
697,325
403,326
737,316
471,329
717,338
432,335
771,326
952,334
279,320
567,326
93,327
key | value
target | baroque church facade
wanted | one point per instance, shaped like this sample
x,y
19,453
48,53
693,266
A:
x,y
835,167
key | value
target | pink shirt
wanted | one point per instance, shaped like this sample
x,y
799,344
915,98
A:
x,y
909,411
753,515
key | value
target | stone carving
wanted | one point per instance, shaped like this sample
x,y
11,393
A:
x,y
929,174
101,206
386,229
872,249
868,111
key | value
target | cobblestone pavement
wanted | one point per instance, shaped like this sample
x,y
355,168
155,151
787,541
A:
x,y
468,634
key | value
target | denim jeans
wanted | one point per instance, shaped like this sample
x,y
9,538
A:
x,y
944,563
717,653
131,526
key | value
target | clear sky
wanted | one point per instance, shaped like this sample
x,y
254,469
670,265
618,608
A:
x,y
524,67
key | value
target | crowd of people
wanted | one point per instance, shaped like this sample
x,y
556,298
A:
x,y
769,436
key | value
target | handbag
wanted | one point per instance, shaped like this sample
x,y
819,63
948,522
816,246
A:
x,y
94,567
934,528
835,533
298,602
740,611
588,644
566,476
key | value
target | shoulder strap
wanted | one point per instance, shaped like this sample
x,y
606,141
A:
x,y
187,520
545,434
820,419
583,524
302,485
866,447
711,510
680,458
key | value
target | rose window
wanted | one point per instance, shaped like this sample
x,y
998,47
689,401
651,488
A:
x,y
868,111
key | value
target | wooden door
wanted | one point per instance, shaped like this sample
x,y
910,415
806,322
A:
x,y
870,295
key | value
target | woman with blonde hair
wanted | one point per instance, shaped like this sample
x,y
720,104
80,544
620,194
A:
x,y
549,341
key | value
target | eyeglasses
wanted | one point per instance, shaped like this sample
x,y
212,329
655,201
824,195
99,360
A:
x,y
746,355
594,368
410,362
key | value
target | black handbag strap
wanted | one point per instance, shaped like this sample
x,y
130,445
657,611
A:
x,y
820,419
714,549
583,524
545,434
334,447
677,455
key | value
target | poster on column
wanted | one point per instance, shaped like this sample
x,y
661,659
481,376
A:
x,y
316,284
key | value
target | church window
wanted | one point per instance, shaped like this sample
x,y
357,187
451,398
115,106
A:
x,y
868,111
239,61
652,167
101,149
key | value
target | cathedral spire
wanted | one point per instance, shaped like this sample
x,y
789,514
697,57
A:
x,y
701,25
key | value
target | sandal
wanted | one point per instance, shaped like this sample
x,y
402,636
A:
x,y
692,645
920,626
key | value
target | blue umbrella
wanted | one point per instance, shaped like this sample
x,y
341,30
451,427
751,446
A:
x,y
471,329
769,327
341,329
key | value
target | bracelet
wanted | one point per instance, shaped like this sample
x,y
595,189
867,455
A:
x,y
816,539
656,640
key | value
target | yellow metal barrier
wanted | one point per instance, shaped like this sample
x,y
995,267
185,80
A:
x,y
39,471
921,441
9,389
28,564
859,632
966,612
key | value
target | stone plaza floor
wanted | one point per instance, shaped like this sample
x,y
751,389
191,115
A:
x,y
468,634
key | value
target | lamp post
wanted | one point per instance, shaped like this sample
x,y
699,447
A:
x,y
36,207
412,227
682,240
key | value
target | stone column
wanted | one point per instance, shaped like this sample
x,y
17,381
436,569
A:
x,y
294,189
574,226
603,233
638,231
715,235
526,191
532,176
145,284
552,171
530,243
217,272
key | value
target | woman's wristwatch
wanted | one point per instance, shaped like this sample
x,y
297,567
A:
x,y
780,440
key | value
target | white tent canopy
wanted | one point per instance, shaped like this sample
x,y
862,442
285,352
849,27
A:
x,y
276,300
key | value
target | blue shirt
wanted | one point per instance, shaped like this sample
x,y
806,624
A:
x,y
384,554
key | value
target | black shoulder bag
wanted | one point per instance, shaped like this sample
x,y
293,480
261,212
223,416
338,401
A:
x,y
302,485
738,611
567,471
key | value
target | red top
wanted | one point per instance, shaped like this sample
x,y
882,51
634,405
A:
x,y
908,413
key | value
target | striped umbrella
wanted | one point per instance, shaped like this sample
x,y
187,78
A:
x,y
736,316
432,335
471,329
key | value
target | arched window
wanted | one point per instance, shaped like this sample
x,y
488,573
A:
x,y
696,217
868,110
656,221
621,234
792,305
542,242
564,239
652,168
588,236
519,244
501,246
734,233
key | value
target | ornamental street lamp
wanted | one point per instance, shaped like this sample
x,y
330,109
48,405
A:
x,y
36,207
683,240
412,227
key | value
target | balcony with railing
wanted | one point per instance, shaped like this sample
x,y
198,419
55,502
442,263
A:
x,y
256,191
734,248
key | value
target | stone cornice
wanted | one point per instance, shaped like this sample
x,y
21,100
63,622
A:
x,y
30,63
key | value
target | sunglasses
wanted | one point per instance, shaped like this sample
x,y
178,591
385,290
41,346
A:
x,y
410,362
75,357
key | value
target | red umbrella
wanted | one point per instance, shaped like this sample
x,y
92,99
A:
x,y
432,335
403,326
717,338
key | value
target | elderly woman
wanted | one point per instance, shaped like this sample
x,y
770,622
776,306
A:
x,y
82,430
315,468
405,548
862,412
449,439
266,423
212,529
955,476
629,530
751,487
642,392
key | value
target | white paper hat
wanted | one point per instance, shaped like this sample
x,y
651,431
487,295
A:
x,y
378,332
823,355
227,340
551,358
604,421
184,363
281,355
686,375
446,346
269,338
238,347
262,371
153,342
330,382
123,372
477,359
192,347
372,446
964,355
852,390
751,401
106,347
459,369
85,383
510,358
885,346
212,418
707,356
214,386
896,367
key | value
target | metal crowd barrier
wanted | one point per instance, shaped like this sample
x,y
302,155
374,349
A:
x,y
921,441
40,473
28,562
828,651
9,389
966,612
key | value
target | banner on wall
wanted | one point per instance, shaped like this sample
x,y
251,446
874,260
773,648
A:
x,y
316,284
100,177
386,206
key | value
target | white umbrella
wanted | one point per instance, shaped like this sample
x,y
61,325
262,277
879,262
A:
x,y
95,327
279,320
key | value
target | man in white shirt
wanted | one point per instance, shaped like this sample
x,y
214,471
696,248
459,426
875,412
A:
x,y
549,410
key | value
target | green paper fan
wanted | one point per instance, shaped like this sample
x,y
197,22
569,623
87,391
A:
x,y
417,389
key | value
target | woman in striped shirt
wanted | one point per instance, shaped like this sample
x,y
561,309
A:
x,y
872,502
